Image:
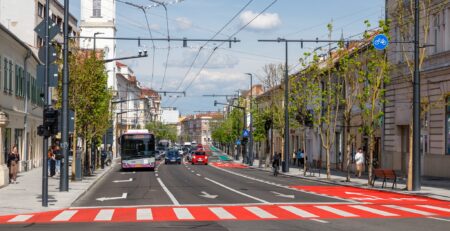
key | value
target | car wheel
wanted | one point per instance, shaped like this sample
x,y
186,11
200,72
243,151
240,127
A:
x,y
206,163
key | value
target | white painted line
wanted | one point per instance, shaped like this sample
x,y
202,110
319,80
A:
x,y
121,181
439,219
198,174
410,210
104,215
156,174
261,213
221,213
20,218
65,215
298,212
435,208
236,191
144,214
171,196
183,214
321,221
336,211
374,211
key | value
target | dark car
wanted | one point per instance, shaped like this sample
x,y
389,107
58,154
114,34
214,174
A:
x,y
172,157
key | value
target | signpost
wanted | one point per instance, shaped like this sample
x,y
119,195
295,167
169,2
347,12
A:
x,y
380,42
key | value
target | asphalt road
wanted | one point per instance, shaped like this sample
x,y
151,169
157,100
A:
x,y
175,193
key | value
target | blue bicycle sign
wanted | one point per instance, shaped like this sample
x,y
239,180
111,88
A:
x,y
380,42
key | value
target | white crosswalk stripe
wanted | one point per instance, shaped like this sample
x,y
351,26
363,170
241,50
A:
x,y
20,218
144,214
183,214
260,212
104,215
410,210
435,208
298,212
374,211
221,213
65,215
336,211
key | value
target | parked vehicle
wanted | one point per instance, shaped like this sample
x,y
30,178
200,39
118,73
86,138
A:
x,y
199,157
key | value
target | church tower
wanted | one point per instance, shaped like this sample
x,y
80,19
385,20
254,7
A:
x,y
98,18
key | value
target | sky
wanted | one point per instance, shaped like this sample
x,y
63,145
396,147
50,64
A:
x,y
224,68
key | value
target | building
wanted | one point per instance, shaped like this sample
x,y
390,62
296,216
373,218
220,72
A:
x,y
20,103
21,19
98,19
198,127
435,94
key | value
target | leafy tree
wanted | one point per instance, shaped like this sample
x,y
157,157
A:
x,y
162,131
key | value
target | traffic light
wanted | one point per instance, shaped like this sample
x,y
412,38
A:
x,y
50,126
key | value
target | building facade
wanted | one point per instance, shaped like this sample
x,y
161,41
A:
x,y
198,127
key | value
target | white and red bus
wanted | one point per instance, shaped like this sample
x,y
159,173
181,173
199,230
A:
x,y
137,148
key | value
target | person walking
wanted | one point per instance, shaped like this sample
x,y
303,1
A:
x,y
300,160
359,159
58,157
52,161
13,163
294,158
276,163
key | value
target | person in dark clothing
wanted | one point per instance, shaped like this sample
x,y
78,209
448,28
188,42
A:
x,y
52,161
276,163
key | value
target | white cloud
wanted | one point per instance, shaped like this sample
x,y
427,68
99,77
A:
x,y
219,82
265,21
217,61
183,23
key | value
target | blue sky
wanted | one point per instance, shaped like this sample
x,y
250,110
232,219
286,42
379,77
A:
x,y
224,73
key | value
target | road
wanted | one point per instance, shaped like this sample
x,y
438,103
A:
x,y
229,196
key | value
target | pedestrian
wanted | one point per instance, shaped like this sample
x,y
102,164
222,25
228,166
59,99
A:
x,y
276,163
13,163
294,158
58,157
299,158
52,161
359,159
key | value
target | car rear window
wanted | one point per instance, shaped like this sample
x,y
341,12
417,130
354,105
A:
x,y
199,153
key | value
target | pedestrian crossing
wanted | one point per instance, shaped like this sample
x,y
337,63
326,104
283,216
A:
x,y
245,212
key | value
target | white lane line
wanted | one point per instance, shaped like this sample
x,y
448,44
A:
x,y
336,211
298,212
183,214
221,213
375,211
261,213
20,218
65,215
144,214
104,215
171,196
410,210
192,171
439,219
198,174
435,208
321,221
156,174
236,191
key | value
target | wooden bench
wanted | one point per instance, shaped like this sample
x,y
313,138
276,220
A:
x,y
385,174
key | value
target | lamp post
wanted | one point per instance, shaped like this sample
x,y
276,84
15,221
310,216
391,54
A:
x,y
250,138
95,35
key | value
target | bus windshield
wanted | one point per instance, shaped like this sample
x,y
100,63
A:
x,y
137,146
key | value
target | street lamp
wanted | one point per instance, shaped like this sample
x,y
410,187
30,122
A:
x,y
95,35
250,160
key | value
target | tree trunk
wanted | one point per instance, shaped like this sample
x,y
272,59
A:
x,y
348,142
371,150
74,147
328,163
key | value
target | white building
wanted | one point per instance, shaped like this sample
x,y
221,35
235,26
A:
x,y
18,83
98,19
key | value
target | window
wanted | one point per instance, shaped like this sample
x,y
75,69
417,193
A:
x,y
17,79
436,32
447,127
10,77
40,10
5,75
96,8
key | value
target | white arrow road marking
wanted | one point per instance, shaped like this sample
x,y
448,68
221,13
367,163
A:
x,y
124,196
121,181
207,195
283,195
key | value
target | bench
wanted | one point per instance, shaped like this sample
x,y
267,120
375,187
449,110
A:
x,y
385,174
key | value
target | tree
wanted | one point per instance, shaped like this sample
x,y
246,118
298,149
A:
x,y
162,131
376,74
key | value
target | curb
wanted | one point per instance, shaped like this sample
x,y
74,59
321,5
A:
x,y
93,183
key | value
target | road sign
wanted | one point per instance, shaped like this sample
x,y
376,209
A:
x,y
380,42
238,142
245,133
53,29
51,51
53,74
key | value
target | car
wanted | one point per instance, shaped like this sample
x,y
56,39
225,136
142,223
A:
x,y
172,157
199,157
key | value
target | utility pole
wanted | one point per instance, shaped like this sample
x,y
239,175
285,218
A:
x,y
416,184
64,179
250,138
46,104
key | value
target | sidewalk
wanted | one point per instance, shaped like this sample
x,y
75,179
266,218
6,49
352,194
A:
x,y
25,197
431,187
